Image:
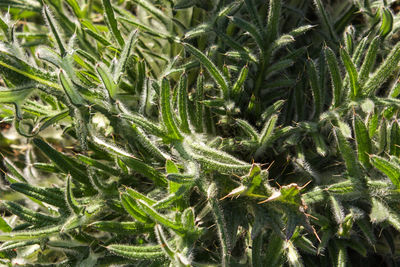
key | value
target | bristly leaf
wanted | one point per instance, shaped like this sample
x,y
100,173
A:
x,y
384,71
314,83
348,155
166,111
364,146
387,22
4,227
128,47
107,79
70,89
16,65
138,252
248,129
326,22
274,14
268,129
394,139
293,255
252,8
109,13
252,30
70,199
52,197
160,218
130,205
30,234
164,244
182,103
153,10
221,225
28,215
336,78
63,163
15,95
199,114
55,30
211,68
15,172
369,60
388,168
237,87
352,72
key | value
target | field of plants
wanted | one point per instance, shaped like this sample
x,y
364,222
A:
x,y
199,133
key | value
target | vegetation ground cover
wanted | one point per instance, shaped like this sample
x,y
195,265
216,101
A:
x,y
199,133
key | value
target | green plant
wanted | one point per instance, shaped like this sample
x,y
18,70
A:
x,y
200,133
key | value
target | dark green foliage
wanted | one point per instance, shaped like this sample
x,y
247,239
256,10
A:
x,y
199,133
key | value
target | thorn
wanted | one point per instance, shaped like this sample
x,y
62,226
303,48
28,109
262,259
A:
x,y
302,187
316,235
270,165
